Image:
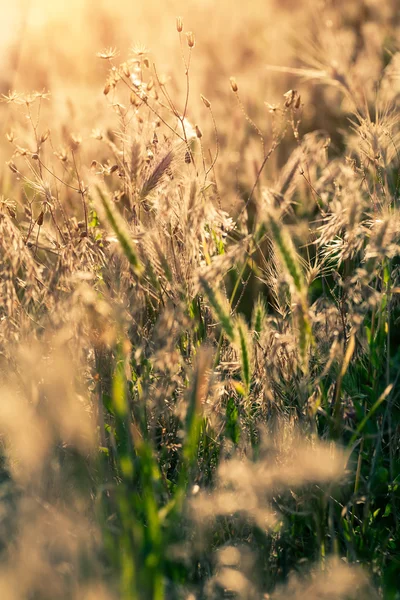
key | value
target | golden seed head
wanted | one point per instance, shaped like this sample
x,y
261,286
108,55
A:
x,y
290,96
146,62
12,166
125,70
190,39
206,102
179,24
107,53
44,136
76,140
233,84
40,219
107,88
10,136
198,131
150,84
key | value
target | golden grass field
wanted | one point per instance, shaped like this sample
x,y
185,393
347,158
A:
x,y
199,315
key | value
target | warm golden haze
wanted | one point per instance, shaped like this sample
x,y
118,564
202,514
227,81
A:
x,y
199,300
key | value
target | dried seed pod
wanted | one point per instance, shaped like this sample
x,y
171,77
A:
x,y
190,39
10,136
107,88
290,96
146,62
39,220
35,156
113,169
233,84
198,131
206,102
179,24
44,136
12,166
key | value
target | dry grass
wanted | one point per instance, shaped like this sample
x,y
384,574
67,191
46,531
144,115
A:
x,y
199,317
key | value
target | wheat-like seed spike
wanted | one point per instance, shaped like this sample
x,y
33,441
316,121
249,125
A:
x,y
156,175
119,229
217,305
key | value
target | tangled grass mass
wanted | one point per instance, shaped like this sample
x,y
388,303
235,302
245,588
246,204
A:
x,y
199,301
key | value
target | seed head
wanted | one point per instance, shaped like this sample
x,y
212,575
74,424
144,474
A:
x,y
179,24
126,70
40,219
44,136
190,39
107,53
12,166
198,131
290,96
233,84
107,88
206,102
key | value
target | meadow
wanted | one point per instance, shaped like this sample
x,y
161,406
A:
x,y
199,300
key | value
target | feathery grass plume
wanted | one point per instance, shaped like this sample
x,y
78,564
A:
x,y
336,581
305,332
156,175
117,224
162,257
287,252
258,316
135,162
220,308
245,346
198,394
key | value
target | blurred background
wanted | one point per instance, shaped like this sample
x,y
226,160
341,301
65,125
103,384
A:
x,y
53,46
